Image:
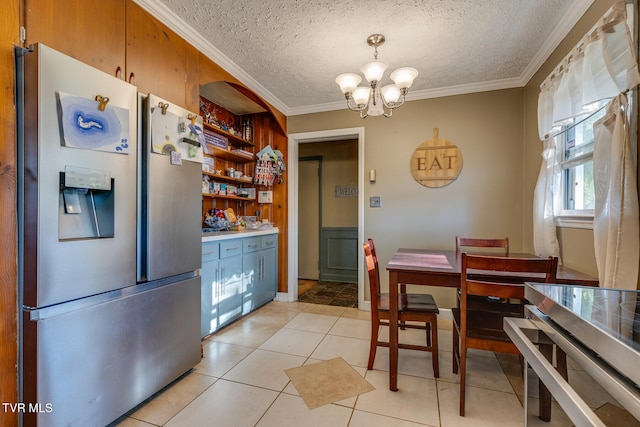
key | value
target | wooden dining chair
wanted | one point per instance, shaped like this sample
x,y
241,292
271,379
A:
x,y
462,242
419,308
500,282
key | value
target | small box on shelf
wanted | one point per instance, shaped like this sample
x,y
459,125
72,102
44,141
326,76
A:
x,y
208,164
216,140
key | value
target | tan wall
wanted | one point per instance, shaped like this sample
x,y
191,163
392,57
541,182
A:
x,y
339,168
576,244
486,200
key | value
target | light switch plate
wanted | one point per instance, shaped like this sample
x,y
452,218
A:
x,y
375,202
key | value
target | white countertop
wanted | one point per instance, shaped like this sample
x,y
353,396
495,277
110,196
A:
x,y
225,235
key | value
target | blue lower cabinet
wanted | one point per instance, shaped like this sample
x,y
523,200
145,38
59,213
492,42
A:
x,y
210,278
268,278
230,298
238,276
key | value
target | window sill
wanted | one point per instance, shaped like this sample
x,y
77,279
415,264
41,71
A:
x,y
575,221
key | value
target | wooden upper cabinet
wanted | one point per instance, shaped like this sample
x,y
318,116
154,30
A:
x,y
91,31
192,89
156,56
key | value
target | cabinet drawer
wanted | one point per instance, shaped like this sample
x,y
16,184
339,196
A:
x,y
230,248
210,251
250,245
269,241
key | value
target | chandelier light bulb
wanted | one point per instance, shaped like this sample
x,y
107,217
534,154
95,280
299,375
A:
x,y
391,93
348,82
373,70
403,77
361,95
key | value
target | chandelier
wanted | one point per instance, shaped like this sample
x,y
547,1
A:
x,y
373,100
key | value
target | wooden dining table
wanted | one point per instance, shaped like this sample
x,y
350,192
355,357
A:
x,y
442,268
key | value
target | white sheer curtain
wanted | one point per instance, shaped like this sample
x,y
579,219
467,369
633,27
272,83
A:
x,y
616,225
601,67
545,197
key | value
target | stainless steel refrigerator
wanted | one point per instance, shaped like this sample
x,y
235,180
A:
x,y
109,245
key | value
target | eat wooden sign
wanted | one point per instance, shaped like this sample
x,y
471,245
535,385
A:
x,y
436,162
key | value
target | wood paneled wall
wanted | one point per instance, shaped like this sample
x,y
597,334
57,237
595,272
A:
x,y
9,36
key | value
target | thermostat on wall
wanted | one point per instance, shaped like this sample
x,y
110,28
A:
x,y
265,197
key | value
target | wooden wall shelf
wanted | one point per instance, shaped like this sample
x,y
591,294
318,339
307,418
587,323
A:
x,y
234,140
227,178
217,196
221,153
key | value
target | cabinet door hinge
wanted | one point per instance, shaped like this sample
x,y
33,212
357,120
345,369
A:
x,y
23,34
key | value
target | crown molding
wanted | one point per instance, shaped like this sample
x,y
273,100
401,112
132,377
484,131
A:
x,y
421,94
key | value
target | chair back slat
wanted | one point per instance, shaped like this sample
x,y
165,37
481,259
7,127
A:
x,y
492,289
482,243
503,276
374,275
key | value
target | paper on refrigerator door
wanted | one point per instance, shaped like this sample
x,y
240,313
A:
x,y
170,132
86,126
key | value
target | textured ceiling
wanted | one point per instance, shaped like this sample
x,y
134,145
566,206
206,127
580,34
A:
x,y
290,51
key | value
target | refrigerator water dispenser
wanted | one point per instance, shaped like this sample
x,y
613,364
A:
x,y
86,208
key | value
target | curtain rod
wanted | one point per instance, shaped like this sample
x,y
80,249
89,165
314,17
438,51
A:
x,y
580,122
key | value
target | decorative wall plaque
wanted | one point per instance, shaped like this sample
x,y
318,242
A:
x,y
436,162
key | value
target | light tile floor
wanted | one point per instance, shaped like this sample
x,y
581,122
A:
x,y
241,379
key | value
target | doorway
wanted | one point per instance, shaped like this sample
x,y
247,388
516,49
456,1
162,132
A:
x,y
293,171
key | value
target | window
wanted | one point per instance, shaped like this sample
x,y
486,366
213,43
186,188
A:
x,y
577,164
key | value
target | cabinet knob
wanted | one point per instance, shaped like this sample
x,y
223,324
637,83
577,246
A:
x,y
132,79
119,72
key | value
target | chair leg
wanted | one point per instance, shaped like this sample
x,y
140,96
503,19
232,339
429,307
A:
x,y
433,326
456,350
373,346
463,377
544,394
428,333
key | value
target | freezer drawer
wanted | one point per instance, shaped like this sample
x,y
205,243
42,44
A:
x,y
96,363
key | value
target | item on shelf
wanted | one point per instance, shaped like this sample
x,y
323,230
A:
x,y
215,188
247,131
216,140
207,164
242,152
205,184
237,174
231,172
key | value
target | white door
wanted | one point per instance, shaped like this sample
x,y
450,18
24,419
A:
x,y
308,219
